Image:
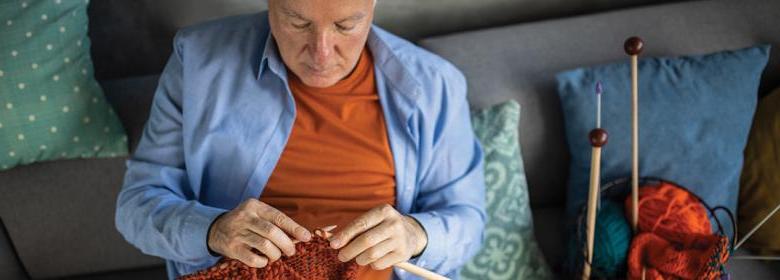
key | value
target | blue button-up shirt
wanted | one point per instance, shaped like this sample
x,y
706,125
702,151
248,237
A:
x,y
223,112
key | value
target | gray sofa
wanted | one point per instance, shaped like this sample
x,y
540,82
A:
x,y
519,62
56,218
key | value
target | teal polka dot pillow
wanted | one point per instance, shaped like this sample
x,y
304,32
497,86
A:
x,y
51,107
509,250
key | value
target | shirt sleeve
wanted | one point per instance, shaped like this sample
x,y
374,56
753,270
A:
x,y
157,210
450,203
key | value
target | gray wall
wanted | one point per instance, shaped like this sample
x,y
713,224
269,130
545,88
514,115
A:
x,y
131,38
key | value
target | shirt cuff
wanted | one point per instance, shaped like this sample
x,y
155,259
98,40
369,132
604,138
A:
x,y
197,228
211,252
435,251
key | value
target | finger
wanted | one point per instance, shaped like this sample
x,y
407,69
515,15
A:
x,y
363,223
376,252
246,256
271,232
365,241
285,223
265,246
388,260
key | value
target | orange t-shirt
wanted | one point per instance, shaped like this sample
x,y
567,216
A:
x,y
337,162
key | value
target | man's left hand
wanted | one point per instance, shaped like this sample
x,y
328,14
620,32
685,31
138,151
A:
x,y
381,237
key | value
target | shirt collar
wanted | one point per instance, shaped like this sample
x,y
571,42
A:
x,y
382,45
379,42
270,59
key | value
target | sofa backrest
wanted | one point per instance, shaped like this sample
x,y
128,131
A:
x,y
123,31
520,62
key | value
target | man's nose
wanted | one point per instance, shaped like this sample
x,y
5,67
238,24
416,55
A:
x,y
320,47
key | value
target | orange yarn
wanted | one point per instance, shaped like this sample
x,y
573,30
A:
x,y
670,211
312,260
675,239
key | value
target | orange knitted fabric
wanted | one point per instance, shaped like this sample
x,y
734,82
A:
x,y
675,239
698,257
312,260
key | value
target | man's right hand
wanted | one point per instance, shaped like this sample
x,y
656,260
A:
x,y
254,224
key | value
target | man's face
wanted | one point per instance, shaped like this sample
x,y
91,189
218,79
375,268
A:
x,y
320,40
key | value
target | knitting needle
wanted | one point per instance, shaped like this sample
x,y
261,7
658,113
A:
x,y
633,47
419,271
754,229
599,91
416,270
598,138
319,232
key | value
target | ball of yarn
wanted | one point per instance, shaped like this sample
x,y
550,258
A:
x,y
612,238
670,211
674,238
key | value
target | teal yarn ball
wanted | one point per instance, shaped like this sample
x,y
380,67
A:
x,y
612,239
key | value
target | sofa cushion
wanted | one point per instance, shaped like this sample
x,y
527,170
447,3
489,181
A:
x,y
752,269
51,106
694,118
146,273
509,250
520,61
758,194
65,225
10,267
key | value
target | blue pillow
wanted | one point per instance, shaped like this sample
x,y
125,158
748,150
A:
x,y
695,114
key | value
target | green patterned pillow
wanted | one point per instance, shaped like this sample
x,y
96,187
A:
x,y
51,107
509,250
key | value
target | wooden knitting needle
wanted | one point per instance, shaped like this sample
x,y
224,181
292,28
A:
x,y
322,232
633,47
598,138
419,271
325,232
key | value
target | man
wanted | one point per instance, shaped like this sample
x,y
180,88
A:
x,y
266,127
